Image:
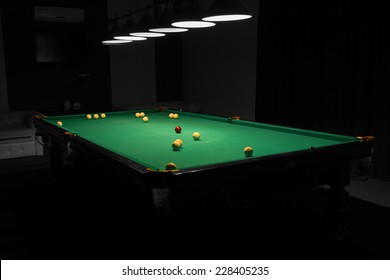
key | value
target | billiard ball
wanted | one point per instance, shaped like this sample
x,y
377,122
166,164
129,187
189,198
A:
x,y
171,115
145,119
196,135
181,142
142,114
170,166
175,116
102,115
137,115
178,129
176,145
95,116
59,123
248,151
89,116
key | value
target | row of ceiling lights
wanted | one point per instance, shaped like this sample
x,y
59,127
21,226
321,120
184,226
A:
x,y
167,21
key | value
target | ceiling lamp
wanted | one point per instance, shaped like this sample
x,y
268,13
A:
x,y
192,24
147,34
116,42
130,38
190,17
226,10
163,22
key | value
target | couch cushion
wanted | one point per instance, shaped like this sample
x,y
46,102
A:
x,y
15,150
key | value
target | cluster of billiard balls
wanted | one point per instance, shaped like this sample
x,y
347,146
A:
x,y
89,117
173,115
178,143
195,135
96,116
142,115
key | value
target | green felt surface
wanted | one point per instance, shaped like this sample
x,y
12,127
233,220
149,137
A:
x,y
150,143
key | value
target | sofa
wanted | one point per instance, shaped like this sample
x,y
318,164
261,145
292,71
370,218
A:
x,y
17,135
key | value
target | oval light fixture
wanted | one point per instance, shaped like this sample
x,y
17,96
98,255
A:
x,y
168,29
226,17
115,42
226,10
130,38
147,34
193,24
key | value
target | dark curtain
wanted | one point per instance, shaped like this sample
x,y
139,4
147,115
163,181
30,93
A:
x,y
325,65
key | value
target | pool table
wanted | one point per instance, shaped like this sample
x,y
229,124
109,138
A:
x,y
141,150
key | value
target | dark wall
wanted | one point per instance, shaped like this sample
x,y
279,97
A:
x,y
324,65
45,86
169,72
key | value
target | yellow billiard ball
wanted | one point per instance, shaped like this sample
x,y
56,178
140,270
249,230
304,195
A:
x,y
196,135
137,115
102,115
175,116
171,115
170,166
142,114
89,116
248,151
145,119
95,116
180,141
176,145
59,123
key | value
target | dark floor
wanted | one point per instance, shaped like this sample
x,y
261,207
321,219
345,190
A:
x,y
82,217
